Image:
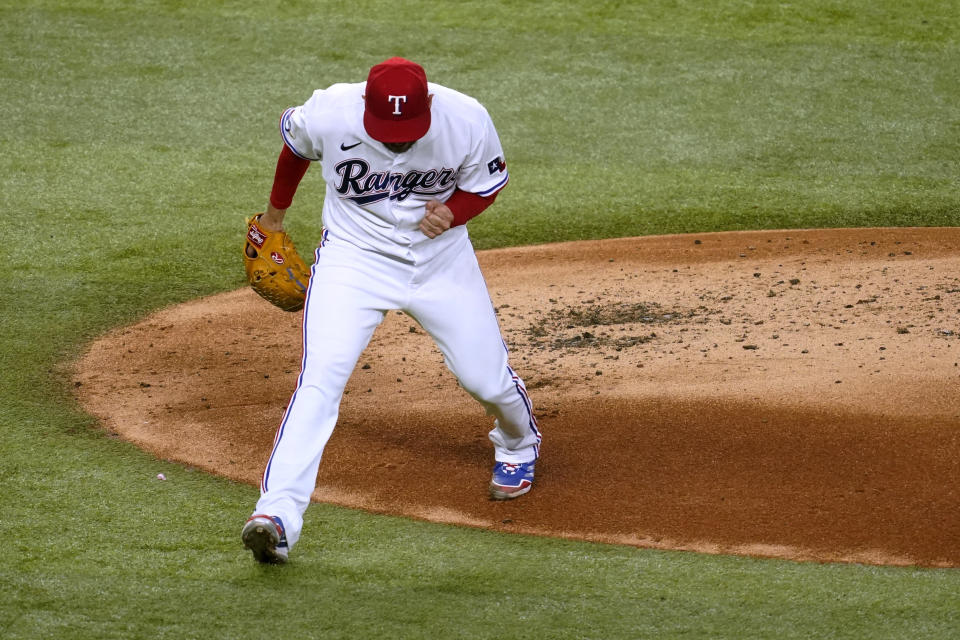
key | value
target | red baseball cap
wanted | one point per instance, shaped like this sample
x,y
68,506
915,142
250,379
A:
x,y
397,106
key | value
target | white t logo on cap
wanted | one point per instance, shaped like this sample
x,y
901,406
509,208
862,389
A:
x,y
396,103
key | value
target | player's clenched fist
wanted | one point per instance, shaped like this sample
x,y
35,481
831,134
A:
x,y
437,219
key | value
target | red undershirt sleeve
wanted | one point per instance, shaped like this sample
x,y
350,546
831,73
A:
x,y
290,171
466,206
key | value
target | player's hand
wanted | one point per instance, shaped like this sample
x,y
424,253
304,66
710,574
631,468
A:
x,y
437,219
272,218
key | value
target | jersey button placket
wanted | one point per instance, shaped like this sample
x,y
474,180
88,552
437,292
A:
x,y
397,166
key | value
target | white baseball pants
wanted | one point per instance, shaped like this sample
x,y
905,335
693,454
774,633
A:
x,y
350,292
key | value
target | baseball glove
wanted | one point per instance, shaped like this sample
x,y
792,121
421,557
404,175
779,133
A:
x,y
274,268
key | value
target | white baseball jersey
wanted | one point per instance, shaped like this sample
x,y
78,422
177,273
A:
x,y
375,198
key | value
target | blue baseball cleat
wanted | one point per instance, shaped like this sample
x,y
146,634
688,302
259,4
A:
x,y
265,537
511,480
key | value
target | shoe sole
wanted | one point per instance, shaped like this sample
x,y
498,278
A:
x,y
508,493
262,539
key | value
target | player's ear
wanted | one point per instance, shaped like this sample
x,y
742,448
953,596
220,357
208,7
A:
x,y
429,100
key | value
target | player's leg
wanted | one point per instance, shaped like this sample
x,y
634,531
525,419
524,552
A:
x,y
454,307
344,307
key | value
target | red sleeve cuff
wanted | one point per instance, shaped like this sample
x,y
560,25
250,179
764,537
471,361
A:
x,y
465,205
290,171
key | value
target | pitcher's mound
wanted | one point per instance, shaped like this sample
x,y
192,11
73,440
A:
x,y
786,394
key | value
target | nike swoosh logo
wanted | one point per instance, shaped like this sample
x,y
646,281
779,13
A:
x,y
344,147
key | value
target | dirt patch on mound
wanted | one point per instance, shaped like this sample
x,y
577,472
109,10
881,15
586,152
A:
x,y
781,394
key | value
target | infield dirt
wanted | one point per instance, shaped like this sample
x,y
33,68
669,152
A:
x,y
786,394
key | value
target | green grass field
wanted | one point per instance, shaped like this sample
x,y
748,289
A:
x,y
137,136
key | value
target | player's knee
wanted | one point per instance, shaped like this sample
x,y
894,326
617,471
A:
x,y
485,390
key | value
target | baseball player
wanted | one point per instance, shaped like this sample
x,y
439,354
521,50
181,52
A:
x,y
406,164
